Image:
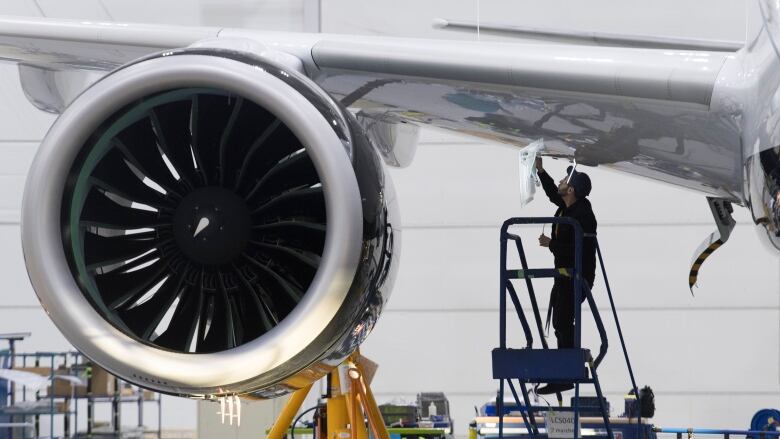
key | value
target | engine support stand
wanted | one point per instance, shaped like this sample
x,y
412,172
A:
x,y
349,403
289,410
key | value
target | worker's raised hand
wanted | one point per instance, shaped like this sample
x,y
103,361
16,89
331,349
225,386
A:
x,y
544,241
539,166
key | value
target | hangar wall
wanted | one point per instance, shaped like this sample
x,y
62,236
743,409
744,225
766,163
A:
x,y
713,360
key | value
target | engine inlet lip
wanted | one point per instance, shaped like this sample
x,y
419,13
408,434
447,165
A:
x,y
238,369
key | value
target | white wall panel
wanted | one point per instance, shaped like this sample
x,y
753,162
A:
x,y
26,8
17,156
723,19
267,14
673,351
182,12
457,268
20,121
75,9
11,190
16,290
45,336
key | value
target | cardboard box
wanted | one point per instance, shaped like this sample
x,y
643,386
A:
x,y
61,407
63,388
102,383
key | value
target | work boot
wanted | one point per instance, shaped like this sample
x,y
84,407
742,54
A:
x,y
551,388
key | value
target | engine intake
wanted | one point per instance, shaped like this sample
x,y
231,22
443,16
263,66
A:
x,y
762,173
198,206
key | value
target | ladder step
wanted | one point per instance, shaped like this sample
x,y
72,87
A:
x,y
541,365
532,273
537,409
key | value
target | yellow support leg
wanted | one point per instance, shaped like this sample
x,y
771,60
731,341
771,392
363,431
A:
x,y
360,386
345,413
279,430
371,408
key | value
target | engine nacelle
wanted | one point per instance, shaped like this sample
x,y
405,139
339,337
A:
x,y
762,172
205,222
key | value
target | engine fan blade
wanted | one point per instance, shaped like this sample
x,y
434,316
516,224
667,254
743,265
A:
x,y
170,123
294,199
121,288
101,211
213,113
138,143
262,309
301,233
145,317
293,170
114,175
292,291
303,264
101,251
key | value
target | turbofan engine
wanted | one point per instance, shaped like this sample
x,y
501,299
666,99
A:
x,y
204,222
762,181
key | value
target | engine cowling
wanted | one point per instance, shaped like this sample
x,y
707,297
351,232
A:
x,y
205,222
762,185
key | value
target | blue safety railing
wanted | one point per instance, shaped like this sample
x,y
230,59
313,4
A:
x,y
619,328
545,363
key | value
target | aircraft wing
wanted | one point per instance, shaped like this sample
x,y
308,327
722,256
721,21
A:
x,y
653,112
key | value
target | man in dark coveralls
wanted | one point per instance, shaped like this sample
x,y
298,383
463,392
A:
x,y
570,197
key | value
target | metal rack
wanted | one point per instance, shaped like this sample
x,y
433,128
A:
x,y
16,395
68,406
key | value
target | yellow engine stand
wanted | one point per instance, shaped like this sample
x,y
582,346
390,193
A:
x,y
345,410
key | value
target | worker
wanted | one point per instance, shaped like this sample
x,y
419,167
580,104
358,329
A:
x,y
570,195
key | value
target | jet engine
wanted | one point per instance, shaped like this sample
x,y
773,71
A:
x,y
204,222
762,181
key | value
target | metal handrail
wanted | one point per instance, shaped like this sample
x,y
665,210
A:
x,y
619,328
599,326
577,277
530,287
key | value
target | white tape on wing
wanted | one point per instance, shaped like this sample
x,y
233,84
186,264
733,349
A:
x,y
528,178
